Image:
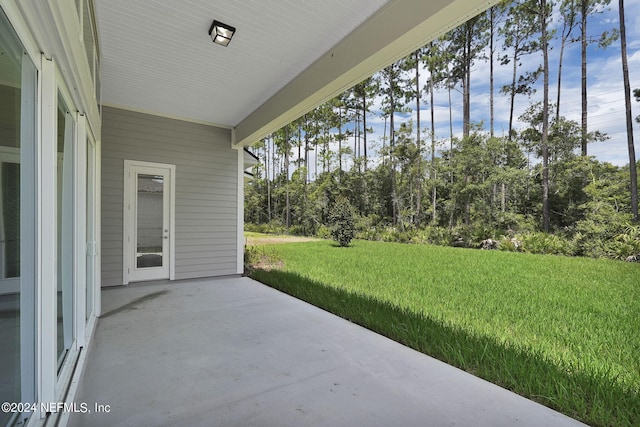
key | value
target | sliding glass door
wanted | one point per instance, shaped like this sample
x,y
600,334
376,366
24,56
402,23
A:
x,y
17,221
65,230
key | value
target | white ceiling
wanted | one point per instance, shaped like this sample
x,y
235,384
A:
x,y
157,55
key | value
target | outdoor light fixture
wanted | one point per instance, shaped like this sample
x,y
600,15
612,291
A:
x,y
221,33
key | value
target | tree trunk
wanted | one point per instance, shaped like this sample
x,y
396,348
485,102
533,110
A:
x,y
583,137
268,182
356,139
466,82
299,142
306,154
567,28
364,125
545,117
418,142
286,172
450,122
339,142
326,163
560,59
491,55
392,164
513,92
627,99
433,149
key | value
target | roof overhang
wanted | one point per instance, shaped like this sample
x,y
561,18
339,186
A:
x,y
160,59
397,29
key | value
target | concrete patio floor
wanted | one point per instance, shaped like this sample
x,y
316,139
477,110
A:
x,y
233,352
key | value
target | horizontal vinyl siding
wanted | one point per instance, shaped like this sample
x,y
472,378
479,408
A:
x,y
206,190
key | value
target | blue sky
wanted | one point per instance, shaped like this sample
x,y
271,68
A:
x,y
606,110
606,107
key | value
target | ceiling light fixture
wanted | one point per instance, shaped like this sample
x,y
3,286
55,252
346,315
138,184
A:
x,y
221,33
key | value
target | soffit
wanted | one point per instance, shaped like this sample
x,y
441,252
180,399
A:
x,y
157,55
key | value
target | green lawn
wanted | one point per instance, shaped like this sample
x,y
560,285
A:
x,y
562,331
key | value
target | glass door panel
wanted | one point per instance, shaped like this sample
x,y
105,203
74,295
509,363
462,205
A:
x,y
17,222
150,231
65,232
147,221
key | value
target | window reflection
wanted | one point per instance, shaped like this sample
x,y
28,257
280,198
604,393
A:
x,y
64,306
17,129
149,221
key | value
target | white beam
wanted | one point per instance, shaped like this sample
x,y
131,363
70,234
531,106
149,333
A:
x,y
396,30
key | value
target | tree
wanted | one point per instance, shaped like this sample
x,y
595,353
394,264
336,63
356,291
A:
x,y
364,92
435,57
343,228
415,61
568,12
268,143
494,16
408,155
466,44
636,93
627,99
584,10
393,92
471,191
518,31
539,12
589,7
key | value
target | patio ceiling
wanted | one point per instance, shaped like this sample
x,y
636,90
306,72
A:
x,y
287,55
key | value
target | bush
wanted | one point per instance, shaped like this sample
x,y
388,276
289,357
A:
x,y
343,227
433,235
299,230
395,235
273,227
323,232
510,244
544,243
625,244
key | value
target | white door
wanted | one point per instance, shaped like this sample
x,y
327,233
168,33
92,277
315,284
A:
x,y
148,212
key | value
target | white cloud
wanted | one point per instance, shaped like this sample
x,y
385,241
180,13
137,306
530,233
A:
x,y
606,109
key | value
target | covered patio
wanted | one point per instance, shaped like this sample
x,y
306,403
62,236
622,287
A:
x,y
124,130
231,351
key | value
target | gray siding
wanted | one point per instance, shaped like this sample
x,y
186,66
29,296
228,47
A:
x,y
206,190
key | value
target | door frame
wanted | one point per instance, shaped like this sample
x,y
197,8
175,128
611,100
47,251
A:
x,y
128,228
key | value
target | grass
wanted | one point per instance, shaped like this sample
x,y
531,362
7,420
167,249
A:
x,y
562,331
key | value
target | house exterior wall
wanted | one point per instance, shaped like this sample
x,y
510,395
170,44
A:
x,y
49,149
206,190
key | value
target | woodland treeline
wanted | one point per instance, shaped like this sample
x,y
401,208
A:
x,y
535,183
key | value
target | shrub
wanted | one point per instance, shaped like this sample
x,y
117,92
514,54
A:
x,y
433,235
273,227
372,233
544,243
395,235
625,244
323,232
343,227
300,230
510,244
